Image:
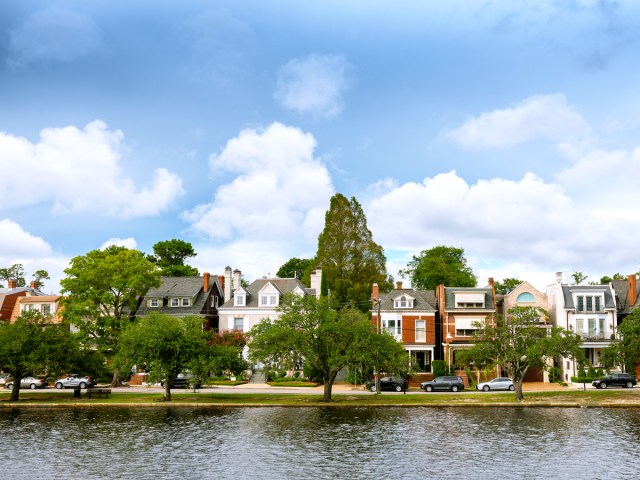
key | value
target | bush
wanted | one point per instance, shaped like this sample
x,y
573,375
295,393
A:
x,y
439,368
312,374
583,379
591,372
555,375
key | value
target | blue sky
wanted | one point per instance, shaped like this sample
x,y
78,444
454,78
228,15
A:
x,y
509,129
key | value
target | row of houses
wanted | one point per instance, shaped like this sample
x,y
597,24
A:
x,y
430,324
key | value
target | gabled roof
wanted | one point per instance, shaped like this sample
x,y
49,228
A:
x,y
284,285
621,288
423,300
182,287
450,299
568,290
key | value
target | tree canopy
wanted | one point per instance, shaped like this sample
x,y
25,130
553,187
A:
x,y
296,268
350,260
32,346
328,339
14,272
164,346
518,343
625,350
102,289
170,256
439,265
579,278
506,286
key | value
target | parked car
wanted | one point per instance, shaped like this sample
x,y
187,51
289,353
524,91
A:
x,y
397,384
4,378
29,382
500,383
184,380
625,380
453,383
75,381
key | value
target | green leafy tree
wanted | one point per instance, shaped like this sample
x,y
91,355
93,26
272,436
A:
x,y
14,272
507,285
350,260
380,353
32,346
625,350
40,276
296,268
579,278
439,265
170,256
519,344
607,279
102,289
328,339
165,346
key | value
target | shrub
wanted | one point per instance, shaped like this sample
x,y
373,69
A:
x,y
312,374
439,368
591,372
555,375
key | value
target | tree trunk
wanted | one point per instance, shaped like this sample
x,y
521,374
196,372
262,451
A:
x,y
15,391
518,385
115,380
328,385
167,391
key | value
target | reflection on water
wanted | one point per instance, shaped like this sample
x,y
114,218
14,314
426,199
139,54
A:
x,y
292,443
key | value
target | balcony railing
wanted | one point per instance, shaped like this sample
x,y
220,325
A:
x,y
595,336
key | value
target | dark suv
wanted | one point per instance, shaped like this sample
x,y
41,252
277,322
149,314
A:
x,y
616,379
391,383
453,383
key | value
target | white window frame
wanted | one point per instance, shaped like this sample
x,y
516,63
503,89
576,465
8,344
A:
x,y
421,331
154,303
239,300
264,300
174,302
237,320
185,302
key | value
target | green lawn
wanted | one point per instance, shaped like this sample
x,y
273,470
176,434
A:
x,y
589,398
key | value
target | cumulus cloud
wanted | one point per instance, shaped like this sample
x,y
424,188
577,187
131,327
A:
x,y
536,117
314,84
505,223
281,191
16,242
20,246
53,35
129,242
79,171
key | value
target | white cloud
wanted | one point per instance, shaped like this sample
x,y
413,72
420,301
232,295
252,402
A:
x,y
53,35
129,243
503,223
314,84
16,242
34,253
281,192
539,116
79,171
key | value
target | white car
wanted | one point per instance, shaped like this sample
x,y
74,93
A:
x,y
500,383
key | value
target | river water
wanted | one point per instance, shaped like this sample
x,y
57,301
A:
x,y
320,443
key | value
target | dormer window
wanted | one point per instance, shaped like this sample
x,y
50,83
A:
x,y
268,300
153,303
403,302
589,303
469,300
239,300
175,302
186,302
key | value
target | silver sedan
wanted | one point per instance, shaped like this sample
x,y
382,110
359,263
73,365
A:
x,y
500,383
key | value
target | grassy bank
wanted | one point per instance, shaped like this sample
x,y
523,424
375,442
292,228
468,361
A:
x,y
590,398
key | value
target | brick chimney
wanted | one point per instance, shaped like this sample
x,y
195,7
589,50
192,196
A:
x,y
34,284
632,292
12,284
227,284
375,293
205,277
398,285
493,291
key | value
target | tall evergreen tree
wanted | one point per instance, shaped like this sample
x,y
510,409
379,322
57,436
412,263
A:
x,y
350,260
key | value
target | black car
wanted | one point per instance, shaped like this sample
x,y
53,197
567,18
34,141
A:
x,y
625,380
450,382
397,384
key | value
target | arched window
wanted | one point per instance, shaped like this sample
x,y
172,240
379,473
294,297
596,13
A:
x,y
403,302
525,297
